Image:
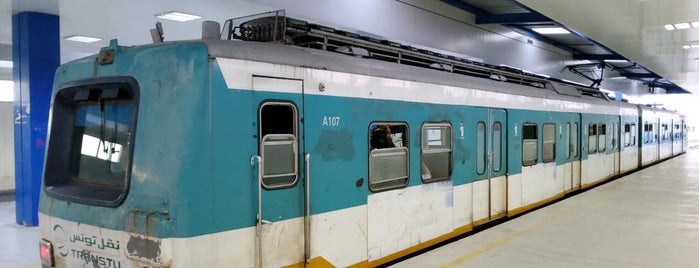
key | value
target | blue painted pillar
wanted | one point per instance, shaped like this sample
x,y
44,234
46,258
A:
x,y
35,57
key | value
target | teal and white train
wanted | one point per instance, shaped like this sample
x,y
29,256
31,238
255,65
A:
x,y
229,153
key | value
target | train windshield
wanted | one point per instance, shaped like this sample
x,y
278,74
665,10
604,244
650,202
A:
x,y
90,144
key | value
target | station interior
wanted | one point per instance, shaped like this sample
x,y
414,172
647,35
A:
x,y
636,51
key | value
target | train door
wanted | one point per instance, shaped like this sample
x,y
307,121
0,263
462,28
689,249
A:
x,y
574,149
658,139
280,173
615,145
497,166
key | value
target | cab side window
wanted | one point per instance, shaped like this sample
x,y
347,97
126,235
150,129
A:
x,y
530,143
278,144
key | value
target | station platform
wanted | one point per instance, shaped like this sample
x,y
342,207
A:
x,y
649,218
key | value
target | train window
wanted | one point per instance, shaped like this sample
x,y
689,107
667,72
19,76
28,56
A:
x,y
497,146
530,144
677,131
567,144
388,155
549,143
649,136
480,148
666,132
602,138
278,144
627,135
614,134
574,140
89,157
592,139
436,156
633,134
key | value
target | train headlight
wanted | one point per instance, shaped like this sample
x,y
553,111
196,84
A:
x,y
46,251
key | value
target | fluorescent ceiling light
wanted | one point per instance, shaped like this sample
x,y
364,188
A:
x,y
669,27
695,46
177,16
695,24
682,26
616,61
82,38
6,64
551,30
686,46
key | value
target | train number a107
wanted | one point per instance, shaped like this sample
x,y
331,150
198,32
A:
x,y
331,121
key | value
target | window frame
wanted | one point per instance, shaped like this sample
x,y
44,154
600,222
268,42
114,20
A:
x,y
602,138
59,182
262,139
497,154
552,127
592,136
426,150
525,141
374,153
575,138
481,157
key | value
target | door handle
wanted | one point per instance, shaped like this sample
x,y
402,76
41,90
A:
x,y
265,222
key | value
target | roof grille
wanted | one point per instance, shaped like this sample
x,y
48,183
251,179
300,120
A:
x,y
276,27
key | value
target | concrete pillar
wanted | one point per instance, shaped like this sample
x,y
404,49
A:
x,y
35,56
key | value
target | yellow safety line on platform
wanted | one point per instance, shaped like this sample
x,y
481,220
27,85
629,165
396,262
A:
x,y
525,230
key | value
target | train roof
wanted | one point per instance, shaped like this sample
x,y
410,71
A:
x,y
332,61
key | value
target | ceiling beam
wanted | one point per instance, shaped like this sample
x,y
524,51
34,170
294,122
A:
x,y
640,75
599,57
510,18
466,7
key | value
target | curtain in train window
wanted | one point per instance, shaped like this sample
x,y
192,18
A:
x,y
592,139
278,144
435,156
549,143
530,144
602,138
388,155
480,148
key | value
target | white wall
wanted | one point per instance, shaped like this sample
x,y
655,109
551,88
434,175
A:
x,y
7,149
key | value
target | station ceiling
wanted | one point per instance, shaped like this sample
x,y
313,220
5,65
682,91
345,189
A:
x,y
624,37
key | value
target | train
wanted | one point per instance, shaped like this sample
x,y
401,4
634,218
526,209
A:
x,y
281,143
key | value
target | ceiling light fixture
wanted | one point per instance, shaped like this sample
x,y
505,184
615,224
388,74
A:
x,y
695,46
177,16
551,30
682,26
695,24
615,61
82,38
686,46
6,64
669,27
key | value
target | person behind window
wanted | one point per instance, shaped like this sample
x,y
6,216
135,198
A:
x,y
381,137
